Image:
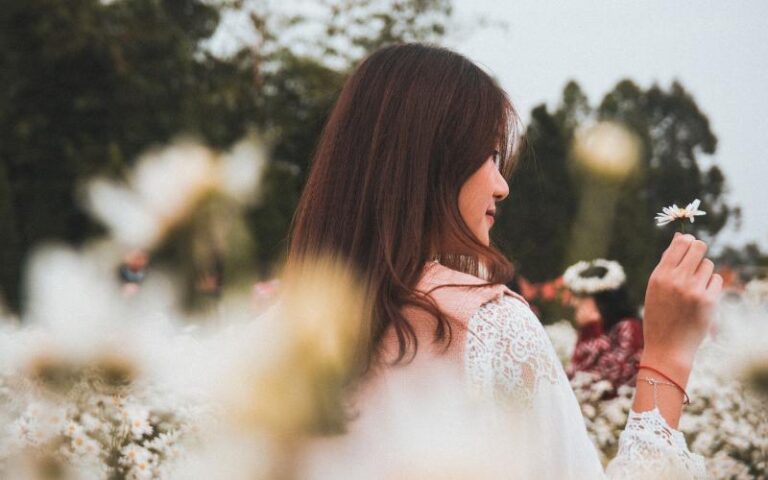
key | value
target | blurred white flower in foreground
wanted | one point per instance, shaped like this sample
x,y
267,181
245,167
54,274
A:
x,y
84,379
168,184
670,214
286,370
77,317
756,291
563,337
424,424
747,357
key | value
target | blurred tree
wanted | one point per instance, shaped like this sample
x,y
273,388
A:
x,y
536,222
338,33
750,255
87,85
8,236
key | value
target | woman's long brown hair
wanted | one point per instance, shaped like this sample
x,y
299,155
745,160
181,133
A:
x,y
411,125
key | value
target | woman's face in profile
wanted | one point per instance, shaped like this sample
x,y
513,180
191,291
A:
x,y
585,311
478,197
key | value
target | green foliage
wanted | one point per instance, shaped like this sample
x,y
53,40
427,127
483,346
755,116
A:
x,y
341,32
751,255
371,24
536,222
87,85
272,220
295,101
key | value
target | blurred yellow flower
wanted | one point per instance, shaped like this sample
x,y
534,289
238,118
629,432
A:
x,y
296,379
607,149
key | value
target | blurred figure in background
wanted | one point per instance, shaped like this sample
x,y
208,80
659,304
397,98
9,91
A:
x,y
210,279
133,270
610,340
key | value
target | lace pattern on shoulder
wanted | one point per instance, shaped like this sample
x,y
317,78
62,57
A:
x,y
508,354
650,448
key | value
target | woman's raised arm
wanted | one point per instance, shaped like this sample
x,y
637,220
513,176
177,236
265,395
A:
x,y
681,294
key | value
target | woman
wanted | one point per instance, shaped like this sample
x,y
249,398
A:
x,y
404,186
610,341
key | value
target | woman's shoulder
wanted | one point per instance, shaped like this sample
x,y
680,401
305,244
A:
x,y
457,293
436,274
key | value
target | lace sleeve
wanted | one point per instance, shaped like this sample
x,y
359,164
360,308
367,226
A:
x,y
650,448
509,356
508,352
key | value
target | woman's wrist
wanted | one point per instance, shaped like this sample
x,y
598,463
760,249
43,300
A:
x,y
674,366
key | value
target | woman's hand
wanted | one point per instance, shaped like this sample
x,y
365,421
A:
x,y
681,294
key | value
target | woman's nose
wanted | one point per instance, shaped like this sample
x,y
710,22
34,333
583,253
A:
x,y
501,190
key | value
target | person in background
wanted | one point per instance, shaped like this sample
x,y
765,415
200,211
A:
x,y
133,270
610,333
209,280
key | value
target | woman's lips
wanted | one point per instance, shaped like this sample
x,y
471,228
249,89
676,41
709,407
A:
x,y
490,218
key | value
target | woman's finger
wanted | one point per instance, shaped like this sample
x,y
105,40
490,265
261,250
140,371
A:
x,y
715,284
692,258
704,273
676,251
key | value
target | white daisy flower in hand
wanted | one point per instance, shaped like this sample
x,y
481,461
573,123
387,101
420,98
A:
x,y
670,214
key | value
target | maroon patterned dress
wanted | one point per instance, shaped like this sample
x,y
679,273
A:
x,y
614,356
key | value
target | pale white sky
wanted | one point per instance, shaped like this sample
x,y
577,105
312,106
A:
x,y
718,50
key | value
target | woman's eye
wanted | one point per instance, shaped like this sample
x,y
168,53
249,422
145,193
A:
x,y
497,158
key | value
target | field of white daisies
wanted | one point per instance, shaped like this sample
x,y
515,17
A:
x,y
97,382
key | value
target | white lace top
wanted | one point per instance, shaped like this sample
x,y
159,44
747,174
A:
x,y
509,356
414,423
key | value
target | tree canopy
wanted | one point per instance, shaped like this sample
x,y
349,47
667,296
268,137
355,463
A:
x,y
87,85
538,220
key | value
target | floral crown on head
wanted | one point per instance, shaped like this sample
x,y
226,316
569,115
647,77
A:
x,y
587,278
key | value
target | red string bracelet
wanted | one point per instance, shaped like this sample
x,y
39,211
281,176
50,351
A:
x,y
686,398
